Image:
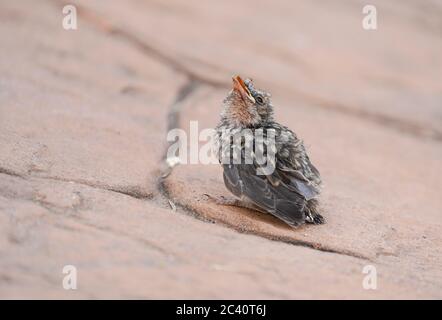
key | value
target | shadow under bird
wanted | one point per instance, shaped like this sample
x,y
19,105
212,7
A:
x,y
289,191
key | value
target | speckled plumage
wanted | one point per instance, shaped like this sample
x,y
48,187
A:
x,y
289,192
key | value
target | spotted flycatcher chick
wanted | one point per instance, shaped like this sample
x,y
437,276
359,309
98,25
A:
x,y
268,168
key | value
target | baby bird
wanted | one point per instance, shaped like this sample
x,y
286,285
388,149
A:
x,y
289,190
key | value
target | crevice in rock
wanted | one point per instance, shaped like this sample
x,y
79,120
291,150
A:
x,y
173,122
11,173
297,242
195,78
384,120
74,213
155,53
162,188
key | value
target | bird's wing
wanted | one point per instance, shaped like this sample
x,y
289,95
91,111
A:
x,y
281,193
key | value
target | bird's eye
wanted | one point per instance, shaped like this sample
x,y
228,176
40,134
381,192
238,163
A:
x,y
260,100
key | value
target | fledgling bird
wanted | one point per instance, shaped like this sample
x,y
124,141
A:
x,y
290,190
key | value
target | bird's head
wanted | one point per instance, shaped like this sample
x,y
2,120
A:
x,y
246,106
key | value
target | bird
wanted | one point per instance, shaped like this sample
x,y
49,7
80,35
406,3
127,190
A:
x,y
290,189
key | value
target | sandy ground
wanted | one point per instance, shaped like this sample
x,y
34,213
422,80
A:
x,y
83,120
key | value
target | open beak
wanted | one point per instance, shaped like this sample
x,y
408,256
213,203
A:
x,y
240,86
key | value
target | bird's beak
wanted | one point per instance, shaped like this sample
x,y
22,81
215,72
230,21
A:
x,y
240,86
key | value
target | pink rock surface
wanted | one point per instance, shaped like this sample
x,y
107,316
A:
x,y
372,217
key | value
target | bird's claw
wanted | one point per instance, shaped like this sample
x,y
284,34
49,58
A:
x,y
221,200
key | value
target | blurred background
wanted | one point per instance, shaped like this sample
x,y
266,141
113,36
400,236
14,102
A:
x,y
84,113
